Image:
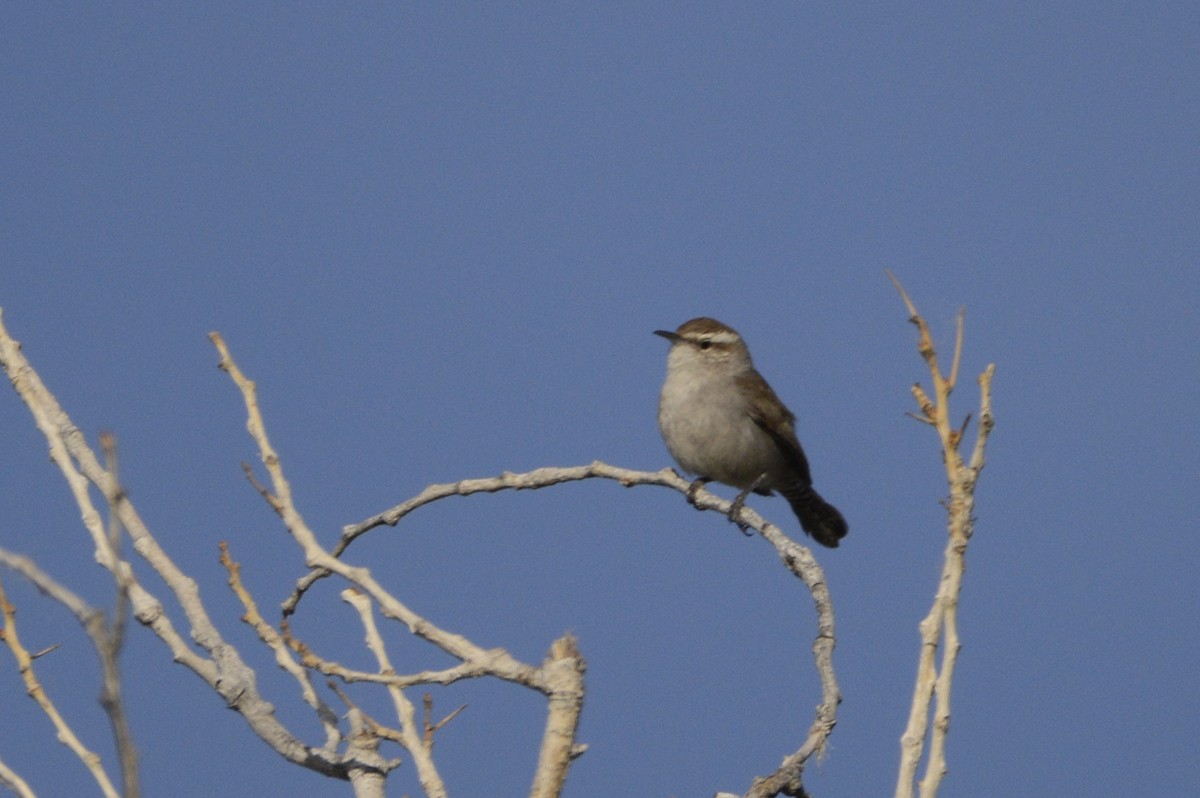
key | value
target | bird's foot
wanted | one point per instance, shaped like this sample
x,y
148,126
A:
x,y
735,509
696,485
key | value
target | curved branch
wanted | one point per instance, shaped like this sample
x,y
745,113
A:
x,y
798,559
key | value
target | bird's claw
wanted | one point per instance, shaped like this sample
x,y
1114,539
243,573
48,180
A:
x,y
735,509
735,513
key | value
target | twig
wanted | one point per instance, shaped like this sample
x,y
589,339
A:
x,y
959,329
410,734
531,480
283,657
310,659
432,728
10,779
108,645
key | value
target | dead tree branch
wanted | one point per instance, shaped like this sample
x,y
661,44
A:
x,y
221,666
940,627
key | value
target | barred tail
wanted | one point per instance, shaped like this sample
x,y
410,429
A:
x,y
820,519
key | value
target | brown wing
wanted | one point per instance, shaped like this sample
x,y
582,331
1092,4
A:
x,y
776,420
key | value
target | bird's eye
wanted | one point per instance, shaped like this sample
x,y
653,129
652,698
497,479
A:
x,y
705,343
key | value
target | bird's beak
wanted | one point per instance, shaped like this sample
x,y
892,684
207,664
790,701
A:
x,y
670,336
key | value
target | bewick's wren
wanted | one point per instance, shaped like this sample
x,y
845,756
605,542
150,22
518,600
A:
x,y
721,421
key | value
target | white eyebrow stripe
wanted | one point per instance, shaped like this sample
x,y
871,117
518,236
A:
x,y
720,337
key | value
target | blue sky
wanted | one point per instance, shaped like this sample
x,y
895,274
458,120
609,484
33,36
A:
x,y
439,238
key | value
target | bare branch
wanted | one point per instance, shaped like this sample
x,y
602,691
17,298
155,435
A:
x,y
48,586
800,561
796,557
410,733
368,782
505,666
563,670
959,328
432,728
11,780
108,645
908,303
106,642
310,659
940,627
928,408
37,692
986,420
223,670
283,657
262,489
532,480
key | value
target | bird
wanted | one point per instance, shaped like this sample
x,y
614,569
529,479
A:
x,y
722,422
